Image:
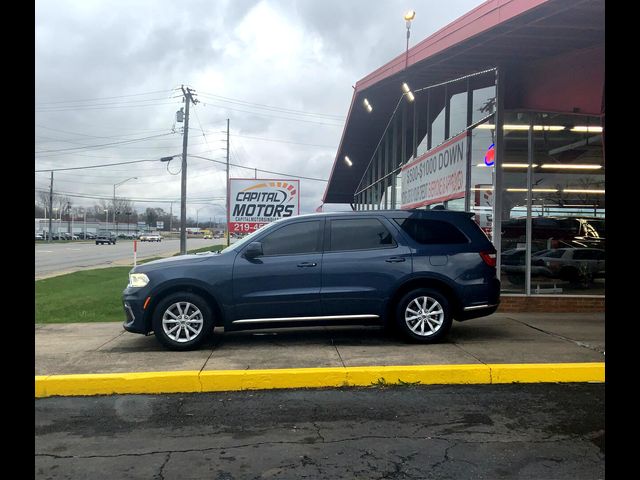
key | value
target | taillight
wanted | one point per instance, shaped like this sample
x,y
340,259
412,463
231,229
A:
x,y
489,258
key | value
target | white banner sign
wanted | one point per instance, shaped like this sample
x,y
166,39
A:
x,y
437,175
256,202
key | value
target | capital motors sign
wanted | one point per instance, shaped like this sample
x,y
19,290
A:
x,y
256,202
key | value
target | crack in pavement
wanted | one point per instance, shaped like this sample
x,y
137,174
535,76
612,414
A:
x,y
257,444
561,337
164,464
111,339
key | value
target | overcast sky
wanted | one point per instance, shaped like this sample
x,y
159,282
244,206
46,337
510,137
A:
x,y
108,72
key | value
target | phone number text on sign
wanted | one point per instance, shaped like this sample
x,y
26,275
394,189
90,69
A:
x,y
243,227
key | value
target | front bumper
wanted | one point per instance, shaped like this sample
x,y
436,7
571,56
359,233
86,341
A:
x,y
137,319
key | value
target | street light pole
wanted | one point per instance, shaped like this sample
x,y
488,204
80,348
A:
x,y
114,197
410,15
197,215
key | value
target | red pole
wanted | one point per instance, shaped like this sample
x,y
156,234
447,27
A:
x,y
135,251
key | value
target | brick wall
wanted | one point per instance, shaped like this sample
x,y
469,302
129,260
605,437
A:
x,y
518,303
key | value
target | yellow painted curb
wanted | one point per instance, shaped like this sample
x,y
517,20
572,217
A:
x,y
111,383
547,372
231,380
418,374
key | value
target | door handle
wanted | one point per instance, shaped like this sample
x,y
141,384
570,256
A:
x,y
395,259
307,264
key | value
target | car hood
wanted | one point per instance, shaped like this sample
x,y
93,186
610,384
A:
x,y
174,262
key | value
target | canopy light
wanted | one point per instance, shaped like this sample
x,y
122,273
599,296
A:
x,y
510,165
593,129
575,190
546,190
410,15
367,105
347,160
549,128
407,91
572,166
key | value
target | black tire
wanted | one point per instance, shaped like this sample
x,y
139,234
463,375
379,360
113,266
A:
x,y
97,243
181,343
438,324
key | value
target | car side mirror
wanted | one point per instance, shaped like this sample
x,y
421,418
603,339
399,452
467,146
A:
x,y
253,250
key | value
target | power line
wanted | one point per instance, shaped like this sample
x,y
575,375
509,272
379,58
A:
x,y
108,98
94,166
108,197
261,170
271,107
106,144
271,116
66,109
96,136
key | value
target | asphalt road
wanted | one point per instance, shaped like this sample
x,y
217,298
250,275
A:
x,y
524,431
55,258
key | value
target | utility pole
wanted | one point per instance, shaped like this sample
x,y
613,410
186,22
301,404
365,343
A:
x,y
228,203
188,98
50,207
171,218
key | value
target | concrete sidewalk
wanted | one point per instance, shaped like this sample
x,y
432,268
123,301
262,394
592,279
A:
x,y
502,338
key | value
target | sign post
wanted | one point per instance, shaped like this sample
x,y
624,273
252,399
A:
x,y
135,252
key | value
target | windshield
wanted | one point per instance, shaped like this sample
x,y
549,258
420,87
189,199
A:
x,y
249,238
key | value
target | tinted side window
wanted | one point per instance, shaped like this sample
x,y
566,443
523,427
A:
x,y
430,232
292,239
359,234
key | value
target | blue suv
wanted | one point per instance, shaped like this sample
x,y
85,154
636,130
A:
x,y
414,270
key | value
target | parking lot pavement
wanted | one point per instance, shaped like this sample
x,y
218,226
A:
x,y
510,338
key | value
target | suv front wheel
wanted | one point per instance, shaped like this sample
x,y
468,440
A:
x,y
182,320
424,315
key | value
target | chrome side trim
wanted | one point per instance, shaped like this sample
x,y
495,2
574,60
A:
x,y
478,307
304,319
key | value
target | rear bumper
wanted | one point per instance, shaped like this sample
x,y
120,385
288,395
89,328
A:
x,y
481,301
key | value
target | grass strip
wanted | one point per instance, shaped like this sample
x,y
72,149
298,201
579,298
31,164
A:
x,y
88,295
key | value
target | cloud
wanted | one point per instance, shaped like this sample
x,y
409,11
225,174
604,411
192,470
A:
x,y
280,70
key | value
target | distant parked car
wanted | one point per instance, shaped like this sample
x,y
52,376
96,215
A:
x,y
104,236
512,265
576,265
151,237
39,236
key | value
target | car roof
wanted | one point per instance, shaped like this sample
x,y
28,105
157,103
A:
x,y
389,214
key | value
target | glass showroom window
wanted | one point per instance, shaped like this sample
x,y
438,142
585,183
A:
x,y
558,217
568,206
513,210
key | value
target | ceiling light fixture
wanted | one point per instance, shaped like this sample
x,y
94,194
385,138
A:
x,y
572,166
407,91
588,129
578,190
347,160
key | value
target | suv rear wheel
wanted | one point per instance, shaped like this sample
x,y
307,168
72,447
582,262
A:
x,y
424,315
182,320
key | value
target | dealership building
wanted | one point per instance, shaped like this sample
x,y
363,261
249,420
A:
x,y
500,113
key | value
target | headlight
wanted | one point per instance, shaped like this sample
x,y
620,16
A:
x,y
137,280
